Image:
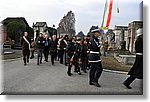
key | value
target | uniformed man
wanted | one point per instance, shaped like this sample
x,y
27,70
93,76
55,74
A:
x,y
25,42
74,52
94,57
137,69
71,53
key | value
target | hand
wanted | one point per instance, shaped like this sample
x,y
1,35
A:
x,y
71,60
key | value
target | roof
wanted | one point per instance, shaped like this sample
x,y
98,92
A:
x,y
80,34
121,27
10,19
39,24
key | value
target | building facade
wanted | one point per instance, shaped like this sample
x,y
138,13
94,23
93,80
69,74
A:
x,y
5,37
131,37
121,33
40,27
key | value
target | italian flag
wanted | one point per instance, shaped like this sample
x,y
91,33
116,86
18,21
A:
x,y
107,14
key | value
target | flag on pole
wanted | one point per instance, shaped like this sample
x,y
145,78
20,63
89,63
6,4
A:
x,y
107,14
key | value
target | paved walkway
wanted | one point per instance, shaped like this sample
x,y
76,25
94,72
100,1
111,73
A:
x,y
48,79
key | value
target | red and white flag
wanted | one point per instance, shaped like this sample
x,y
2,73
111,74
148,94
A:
x,y
107,14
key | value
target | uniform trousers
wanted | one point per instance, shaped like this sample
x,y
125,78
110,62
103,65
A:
x,y
95,71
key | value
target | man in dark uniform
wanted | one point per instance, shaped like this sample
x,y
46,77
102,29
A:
x,y
71,52
94,57
74,52
84,56
137,69
40,46
88,40
25,42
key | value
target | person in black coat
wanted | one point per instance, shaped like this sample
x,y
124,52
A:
x,y
84,56
40,46
94,57
71,53
74,52
25,43
53,48
137,69
62,46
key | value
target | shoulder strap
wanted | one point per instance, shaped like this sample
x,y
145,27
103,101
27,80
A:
x,y
26,41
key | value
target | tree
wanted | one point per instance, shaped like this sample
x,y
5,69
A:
x,y
30,32
67,24
15,30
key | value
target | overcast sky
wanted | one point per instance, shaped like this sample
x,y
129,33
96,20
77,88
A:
x,y
87,12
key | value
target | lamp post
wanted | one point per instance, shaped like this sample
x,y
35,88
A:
x,y
54,30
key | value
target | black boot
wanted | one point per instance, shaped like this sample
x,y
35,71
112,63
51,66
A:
x,y
69,74
127,86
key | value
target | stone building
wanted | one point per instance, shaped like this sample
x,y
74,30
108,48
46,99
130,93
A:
x,y
39,27
121,33
131,37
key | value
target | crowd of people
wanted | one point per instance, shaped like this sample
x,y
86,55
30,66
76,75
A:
x,y
83,53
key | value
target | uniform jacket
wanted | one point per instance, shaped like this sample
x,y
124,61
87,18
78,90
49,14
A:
x,y
71,49
137,68
94,47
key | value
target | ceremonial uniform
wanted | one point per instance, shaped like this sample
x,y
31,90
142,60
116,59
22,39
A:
x,y
94,59
74,52
137,69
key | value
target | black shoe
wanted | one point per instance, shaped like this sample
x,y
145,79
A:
x,y
79,73
40,62
69,74
75,71
37,63
127,86
27,61
95,84
52,63
25,64
85,71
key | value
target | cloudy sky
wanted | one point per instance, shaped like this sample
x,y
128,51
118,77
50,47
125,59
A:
x,y
87,12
